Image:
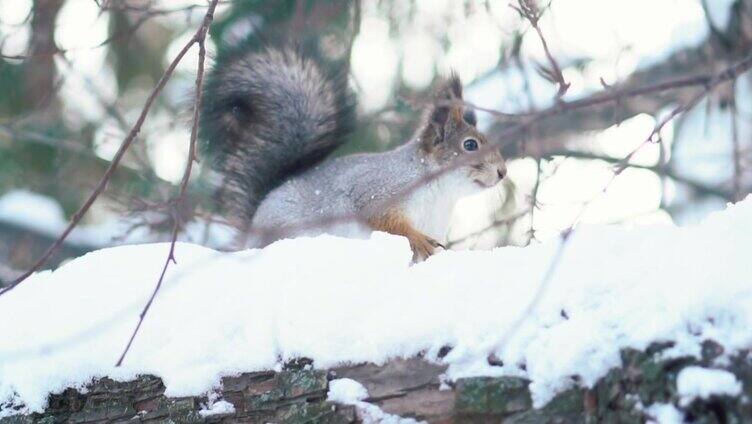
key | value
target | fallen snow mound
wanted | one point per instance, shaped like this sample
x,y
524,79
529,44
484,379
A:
x,y
338,300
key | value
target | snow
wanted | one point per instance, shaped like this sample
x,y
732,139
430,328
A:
x,y
220,407
346,391
349,392
337,300
698,382
31,210
664,413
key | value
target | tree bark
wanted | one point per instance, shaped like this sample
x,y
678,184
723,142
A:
x,y
412,388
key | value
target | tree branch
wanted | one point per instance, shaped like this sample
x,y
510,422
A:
x,y
200,39
679,77
124,146
664,170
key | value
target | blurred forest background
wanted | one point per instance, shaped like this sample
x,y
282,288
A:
x,y
75,74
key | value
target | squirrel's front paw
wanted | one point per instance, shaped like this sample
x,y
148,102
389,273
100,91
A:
x,y
423,247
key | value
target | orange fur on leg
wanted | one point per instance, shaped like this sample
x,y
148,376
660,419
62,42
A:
x,y
394,222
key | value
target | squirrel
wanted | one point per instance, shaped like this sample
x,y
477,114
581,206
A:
x,y
270,118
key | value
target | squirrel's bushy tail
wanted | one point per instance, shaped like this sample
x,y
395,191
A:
x,y
267,115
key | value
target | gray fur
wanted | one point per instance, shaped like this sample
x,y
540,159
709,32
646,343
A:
x,y
355,187
268,115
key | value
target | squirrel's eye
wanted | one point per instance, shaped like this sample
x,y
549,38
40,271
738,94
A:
x,y
470,144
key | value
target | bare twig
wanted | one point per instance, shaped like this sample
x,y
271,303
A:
x,y
496,223
200,39
664,170
566,235
539,292
143,13
528,9
736,152
534,200
102,184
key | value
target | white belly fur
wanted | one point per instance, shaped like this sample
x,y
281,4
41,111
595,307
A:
x,y
429,208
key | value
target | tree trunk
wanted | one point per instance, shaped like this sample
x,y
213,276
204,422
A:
x,y
41,84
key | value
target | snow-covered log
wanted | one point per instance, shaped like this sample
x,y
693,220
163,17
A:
x,y
646,387
629,324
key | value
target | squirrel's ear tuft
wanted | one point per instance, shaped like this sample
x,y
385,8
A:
x,y
449,98
453,93
455,86
447,111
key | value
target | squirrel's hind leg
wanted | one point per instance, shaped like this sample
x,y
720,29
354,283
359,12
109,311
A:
x,y
395,222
